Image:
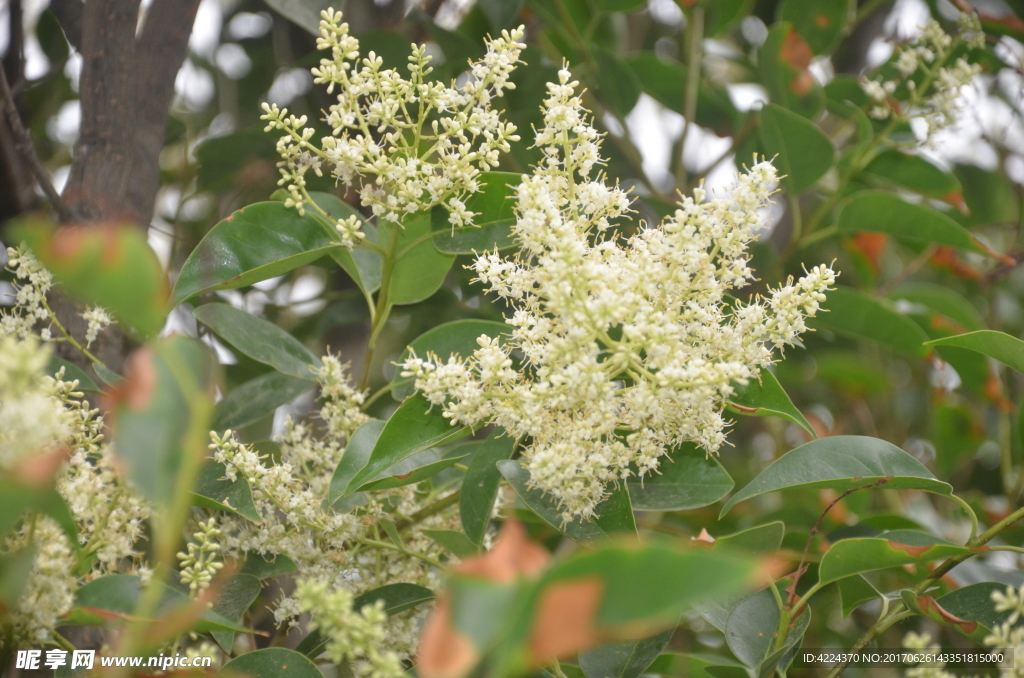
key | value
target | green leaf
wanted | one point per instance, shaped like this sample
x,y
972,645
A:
x,y
480,485
767,398
665,81
107,375
884,212
782,65
653,584
232,601
397,597
927,606
15,569
411,470
411,429
697,666
115,596
751,629
255,243
214,491
364,266
855,591
257,398
617,88
72,372
500,13
999,346
419,268
915,173
628,659
854,313
357,453
821,24
974,604
494,207
686,478
17,498
893,549
614,514
260,339
762,539
842,463
261,568
805,153
944,301
153,415
722,15
456,542
109,265
273,662
454,338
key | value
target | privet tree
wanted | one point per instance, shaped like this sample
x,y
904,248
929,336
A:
x,y
560,364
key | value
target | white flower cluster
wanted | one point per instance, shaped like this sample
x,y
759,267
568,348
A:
x,y
412,143
34,281
630,344
201,561
346,550
358,636
97,318
39,413
923,643
936,98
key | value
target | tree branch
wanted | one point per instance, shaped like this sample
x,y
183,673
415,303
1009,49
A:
x,y
23,142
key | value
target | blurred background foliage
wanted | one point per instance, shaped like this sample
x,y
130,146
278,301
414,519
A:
x,y
682,89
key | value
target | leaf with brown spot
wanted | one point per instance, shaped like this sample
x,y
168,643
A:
x,y
893,549
110,264
930,608
444,652
566,619
513,556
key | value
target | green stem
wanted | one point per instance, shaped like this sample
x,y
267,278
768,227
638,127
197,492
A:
x,y
695,40
970,514
401,549
380,316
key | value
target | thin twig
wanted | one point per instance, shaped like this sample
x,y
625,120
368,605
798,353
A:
x,y
23,142
791,589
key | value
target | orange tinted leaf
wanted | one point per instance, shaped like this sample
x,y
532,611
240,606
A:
x,y
565,621
513,555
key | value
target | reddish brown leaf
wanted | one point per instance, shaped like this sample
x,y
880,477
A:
x,y
946,258
914,551
870,246
137,388
39,469
444,652
929,605
513,555
565,622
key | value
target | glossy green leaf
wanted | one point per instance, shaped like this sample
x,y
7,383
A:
x,y
1000,346
153,414
273,662
397,597
414,427
800,150
752,627
72,372
255,243
927,606
915,173
842,463
821,24
412,470
115,596
855,591
767,398
884,212
232,601
214,491
851,312
722,15
454,338
110,265
363,265
628,659
974,604
697,666
480,485
106,375
613,515
762,539
256,399
261,340
357,453
893,549
17,498
618,5
493,206
686,478
419,268
456,542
